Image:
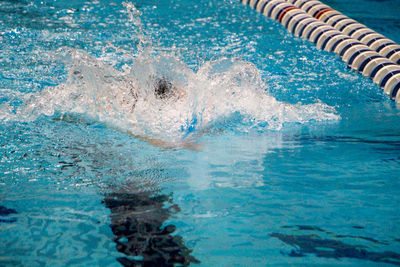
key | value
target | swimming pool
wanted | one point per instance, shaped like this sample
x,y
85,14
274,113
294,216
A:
x,y
290,158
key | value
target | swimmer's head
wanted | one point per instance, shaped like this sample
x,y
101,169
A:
x,y
163,88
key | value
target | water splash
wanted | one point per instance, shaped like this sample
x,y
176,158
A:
x,y
218,91
144,43
221,91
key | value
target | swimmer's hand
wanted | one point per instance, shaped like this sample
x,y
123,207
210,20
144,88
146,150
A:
x,y
181,93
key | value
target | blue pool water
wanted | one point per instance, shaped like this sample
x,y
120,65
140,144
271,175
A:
x,y
274,154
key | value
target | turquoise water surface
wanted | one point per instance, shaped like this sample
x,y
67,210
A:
x,y
267,152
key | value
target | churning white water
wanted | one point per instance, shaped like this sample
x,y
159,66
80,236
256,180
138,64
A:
x,y
219,91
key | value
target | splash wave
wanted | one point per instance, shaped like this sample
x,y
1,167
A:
x,y
125,99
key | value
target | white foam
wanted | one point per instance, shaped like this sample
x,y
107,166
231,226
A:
x,y
217,91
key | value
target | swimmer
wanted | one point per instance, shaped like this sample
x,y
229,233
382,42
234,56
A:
x,y
163,90
127,94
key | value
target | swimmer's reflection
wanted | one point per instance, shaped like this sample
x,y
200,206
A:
x,y
137,219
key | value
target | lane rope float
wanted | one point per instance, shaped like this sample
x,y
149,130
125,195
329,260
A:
x,y
362,49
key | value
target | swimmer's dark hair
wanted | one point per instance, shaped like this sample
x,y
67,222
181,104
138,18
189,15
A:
x,y
163,88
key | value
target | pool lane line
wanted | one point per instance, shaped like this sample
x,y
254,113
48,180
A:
x,y
355,53
351,27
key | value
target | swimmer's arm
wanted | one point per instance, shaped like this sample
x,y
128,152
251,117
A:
x,y
152,141
188,144
163,144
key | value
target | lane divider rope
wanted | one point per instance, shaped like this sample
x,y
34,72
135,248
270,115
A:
x,y
351,27
362,49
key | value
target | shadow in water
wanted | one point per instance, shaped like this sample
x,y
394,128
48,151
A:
x,y
137,219
318,229
332,248
6,212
